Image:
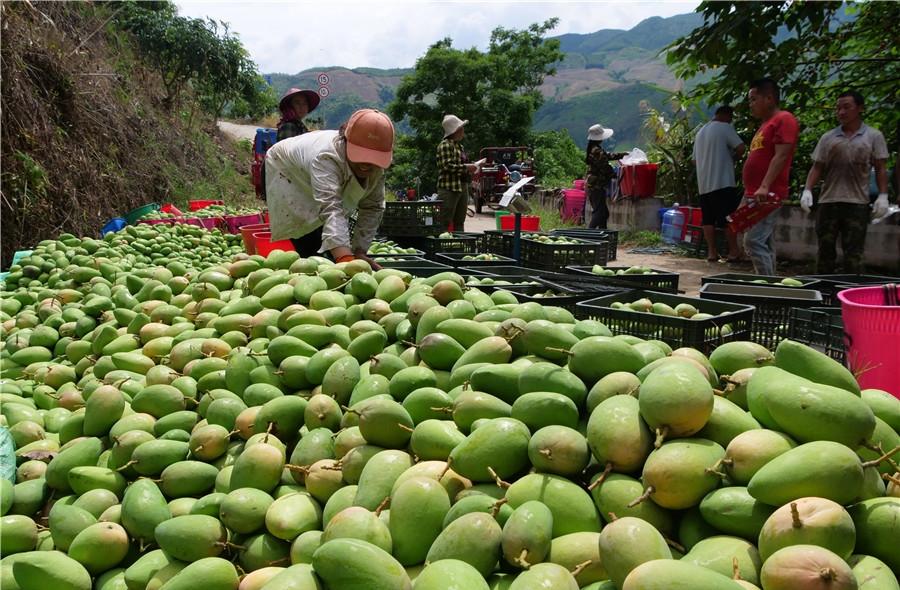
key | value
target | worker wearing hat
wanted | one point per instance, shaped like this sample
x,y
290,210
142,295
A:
x,y
599,174
316,180
294,105
453,174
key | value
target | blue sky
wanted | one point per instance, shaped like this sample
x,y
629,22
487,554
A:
x,y
290,37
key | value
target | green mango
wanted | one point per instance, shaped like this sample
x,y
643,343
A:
x,y
617,436
525,538
808,363
151,457
158,400
539,409
435,439
722,554
883,437
427,403
877,523
542,376
18,533
299,576
355,522
352,564
871,573
340,378
418,508
367,345
669,574
450,573
499,380
210,572
378,477
293,514
805,565
263,550
40,570
191,537
474,538
83,479
823,468
734,511
559,450
500,446
726,422
66,522
618,383
628,542
808,521
470,406
143,509
615,492
85,452
573,509
675,401
407,380
100,547
808,411
188,478
884,406
544,339
731,357
258,466
681,472
594,357
750,450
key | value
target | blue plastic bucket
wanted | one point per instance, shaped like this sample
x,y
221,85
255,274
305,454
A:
x,y
113,225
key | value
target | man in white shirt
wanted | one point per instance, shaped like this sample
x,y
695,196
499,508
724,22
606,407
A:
x,y
715,147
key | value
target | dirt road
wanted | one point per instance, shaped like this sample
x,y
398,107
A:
x,y
237,132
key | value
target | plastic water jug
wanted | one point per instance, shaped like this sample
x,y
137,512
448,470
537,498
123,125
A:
x,y
672,224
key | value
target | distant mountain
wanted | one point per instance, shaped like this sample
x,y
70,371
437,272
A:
x,y
603,78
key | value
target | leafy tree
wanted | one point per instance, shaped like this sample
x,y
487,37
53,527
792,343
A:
x,y
814,50
496,90
557,158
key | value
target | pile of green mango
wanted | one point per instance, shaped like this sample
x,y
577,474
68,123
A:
x,y
631,270
389,247
483,256
240,422
210,211
475,281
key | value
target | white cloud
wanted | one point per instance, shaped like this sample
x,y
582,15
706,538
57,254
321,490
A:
x,y
292,36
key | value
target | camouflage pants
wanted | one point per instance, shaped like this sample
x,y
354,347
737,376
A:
x,y
847,222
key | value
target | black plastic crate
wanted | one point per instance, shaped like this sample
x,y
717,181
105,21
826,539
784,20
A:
x,y
467,244
562,296
507,270
730,321
501,242
419,253
382,258
556,257
663,280
456,259
772,306
411,218
610,236
831,285
821,328
735,278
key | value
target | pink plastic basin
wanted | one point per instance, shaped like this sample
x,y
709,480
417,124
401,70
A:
x,y
872,337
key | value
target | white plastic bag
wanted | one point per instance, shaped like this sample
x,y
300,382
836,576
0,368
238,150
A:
x,y
635,156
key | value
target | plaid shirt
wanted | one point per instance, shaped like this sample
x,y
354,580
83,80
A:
x,y
452,172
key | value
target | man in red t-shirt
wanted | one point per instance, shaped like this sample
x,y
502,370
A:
x,y
767,169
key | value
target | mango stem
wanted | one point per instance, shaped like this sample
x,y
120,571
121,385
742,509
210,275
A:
x,y
560,350
674,544
891,478
642,497
884,457
500,483
384,504
580,567
735,570
661,434
495,508
599,481
795,516
405,427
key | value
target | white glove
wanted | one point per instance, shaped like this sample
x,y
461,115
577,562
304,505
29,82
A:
x,y
806,200
880,208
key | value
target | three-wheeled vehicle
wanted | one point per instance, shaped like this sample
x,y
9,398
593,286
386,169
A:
x,y
503,167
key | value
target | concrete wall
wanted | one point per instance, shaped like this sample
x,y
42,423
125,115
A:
x,y
795,239
634,214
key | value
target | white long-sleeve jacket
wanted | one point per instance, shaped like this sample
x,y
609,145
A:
x,y
309,184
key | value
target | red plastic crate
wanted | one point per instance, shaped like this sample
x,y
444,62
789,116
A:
x,y
692,216
638,180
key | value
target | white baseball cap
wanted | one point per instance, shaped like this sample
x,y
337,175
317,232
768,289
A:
x,y
598,133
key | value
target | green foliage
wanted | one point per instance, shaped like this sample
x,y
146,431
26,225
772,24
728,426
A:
x,y
199,54
26,182
497,91
814,50
403,172
558,159
640,238
671,144
551,218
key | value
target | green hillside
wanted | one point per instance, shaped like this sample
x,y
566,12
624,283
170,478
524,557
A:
x,y
603,77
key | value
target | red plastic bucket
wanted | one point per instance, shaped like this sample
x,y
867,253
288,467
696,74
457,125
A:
x,y
638,180
573,204
410,194
203,203
529,222
233,223
264,244
247,232
578,183
872,337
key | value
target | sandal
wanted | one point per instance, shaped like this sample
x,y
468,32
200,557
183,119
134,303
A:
x,y
710,259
